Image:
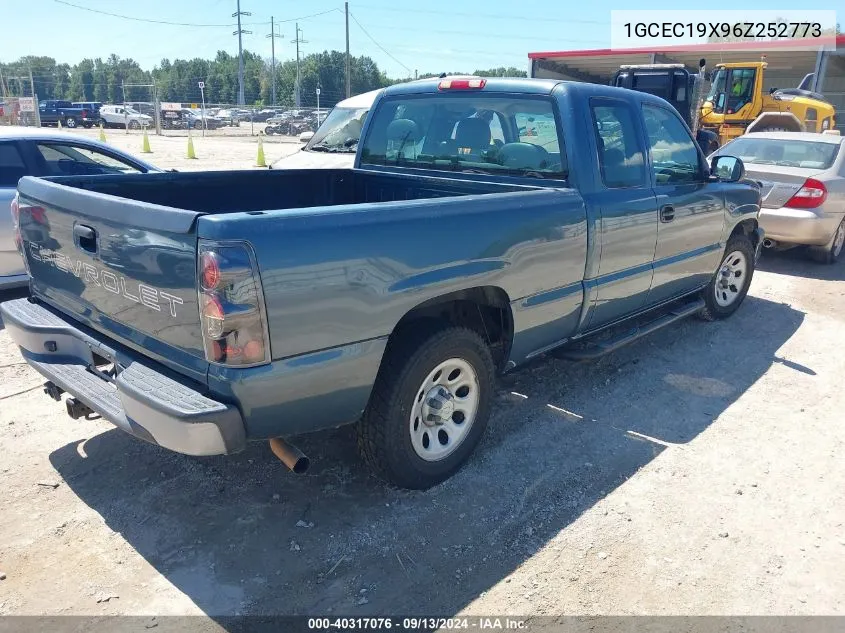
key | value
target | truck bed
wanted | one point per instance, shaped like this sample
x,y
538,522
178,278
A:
x,y
252,191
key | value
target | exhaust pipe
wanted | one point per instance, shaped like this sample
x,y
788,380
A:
x,y
767,243
290,456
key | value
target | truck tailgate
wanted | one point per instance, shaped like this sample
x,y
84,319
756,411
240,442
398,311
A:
x,y
123,267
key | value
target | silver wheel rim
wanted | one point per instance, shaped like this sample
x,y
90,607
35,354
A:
x,y
730,279
445,406
70,123
839,239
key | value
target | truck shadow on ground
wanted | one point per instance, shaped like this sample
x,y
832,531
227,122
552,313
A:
x,y
240,535
796,262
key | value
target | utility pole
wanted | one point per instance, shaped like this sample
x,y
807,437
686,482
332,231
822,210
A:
x,y
348,76
31,83
239,32
296,91
273,35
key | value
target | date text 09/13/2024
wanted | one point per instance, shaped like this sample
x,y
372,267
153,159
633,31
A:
x,y
418,623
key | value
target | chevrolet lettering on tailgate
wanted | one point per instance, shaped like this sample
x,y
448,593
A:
x,y
91,275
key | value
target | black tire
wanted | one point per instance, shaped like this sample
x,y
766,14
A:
x,y
713,309
384,432
134,125
70,122
269,131
832,251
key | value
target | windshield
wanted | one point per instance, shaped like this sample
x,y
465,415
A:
x,y
340,131
470,133
771,151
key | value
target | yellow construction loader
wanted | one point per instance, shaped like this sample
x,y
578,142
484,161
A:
x,y
737,104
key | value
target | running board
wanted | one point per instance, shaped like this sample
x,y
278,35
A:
x,y
611,345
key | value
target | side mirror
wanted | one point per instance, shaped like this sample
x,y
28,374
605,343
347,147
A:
x,y
727,168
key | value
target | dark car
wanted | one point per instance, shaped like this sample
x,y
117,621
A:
x,y
56,111
93,106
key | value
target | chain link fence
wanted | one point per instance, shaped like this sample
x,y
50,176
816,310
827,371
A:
x,y
221,119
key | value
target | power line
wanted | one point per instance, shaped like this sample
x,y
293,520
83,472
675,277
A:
x,y
168,23
498,16
306,17
382,48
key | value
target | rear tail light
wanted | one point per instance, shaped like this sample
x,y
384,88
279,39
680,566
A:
x,y
231,300
811,195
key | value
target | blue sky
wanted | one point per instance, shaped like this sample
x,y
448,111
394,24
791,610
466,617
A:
x,y
430,36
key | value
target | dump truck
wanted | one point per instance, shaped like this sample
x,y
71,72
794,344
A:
x,y
678,86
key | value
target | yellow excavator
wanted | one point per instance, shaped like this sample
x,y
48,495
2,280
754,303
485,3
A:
x,y
736,104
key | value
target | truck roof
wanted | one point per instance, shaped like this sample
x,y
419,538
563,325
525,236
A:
x,y
522,85
493,84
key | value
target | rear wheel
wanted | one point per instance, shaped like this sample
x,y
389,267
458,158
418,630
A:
x,y
429,407
134,125
730,283
830,252
269,131
70,122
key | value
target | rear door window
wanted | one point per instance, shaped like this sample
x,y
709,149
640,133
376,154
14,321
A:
x,y
620,152
471,132
12,166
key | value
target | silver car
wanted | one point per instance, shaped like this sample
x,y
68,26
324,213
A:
x,y
26,151
803,188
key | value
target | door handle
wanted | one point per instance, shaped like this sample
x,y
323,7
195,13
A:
x,y
85,237
667,213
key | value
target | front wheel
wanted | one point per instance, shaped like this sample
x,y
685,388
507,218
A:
x,y
730,283
70,122
429,407
269,130
134,125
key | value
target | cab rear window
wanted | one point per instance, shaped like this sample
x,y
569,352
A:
x,y
470,133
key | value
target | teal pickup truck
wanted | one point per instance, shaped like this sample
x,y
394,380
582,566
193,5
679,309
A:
x,y
485,222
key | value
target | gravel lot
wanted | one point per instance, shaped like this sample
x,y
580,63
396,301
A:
x,y
218,150
698,471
